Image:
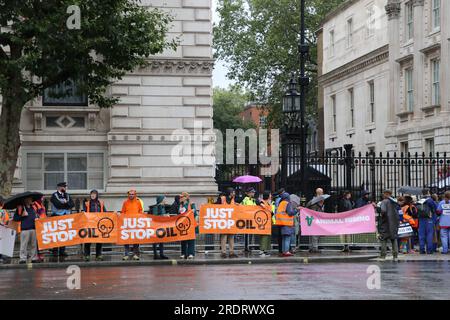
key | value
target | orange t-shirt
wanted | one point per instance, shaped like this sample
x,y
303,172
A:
x,y
132,206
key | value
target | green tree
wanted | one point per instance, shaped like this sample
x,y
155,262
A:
x,y
228,105
41,46
258,39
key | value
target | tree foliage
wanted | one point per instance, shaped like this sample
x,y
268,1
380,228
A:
x,y
258,39
228,105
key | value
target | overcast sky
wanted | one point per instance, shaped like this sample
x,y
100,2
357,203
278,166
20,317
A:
x,y
220,71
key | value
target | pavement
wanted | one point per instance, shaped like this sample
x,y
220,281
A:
x,y
213,258
201,258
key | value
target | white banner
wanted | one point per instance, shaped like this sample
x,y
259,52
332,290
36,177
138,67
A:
x,y
7,239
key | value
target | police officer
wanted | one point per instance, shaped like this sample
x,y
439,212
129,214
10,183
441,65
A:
x,y
62,204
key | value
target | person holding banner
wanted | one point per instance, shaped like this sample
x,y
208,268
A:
x,y
227,198
276,230
62,204
159,210
27,215
388,225
132,205
265,240
346,204
93,205
249,200
317,204
187,246
284,217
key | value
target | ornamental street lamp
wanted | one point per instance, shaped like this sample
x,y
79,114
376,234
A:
x,y
294,132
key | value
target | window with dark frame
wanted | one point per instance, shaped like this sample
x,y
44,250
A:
x,y
67,93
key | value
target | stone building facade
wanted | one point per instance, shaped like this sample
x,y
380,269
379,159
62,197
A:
x,y
419,63
354,76
390,57
131,145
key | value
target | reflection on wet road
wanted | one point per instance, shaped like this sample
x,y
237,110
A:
x,y
414,280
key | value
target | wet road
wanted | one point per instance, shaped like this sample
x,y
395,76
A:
x,y
414,280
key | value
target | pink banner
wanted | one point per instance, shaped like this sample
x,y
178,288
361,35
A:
x,y
361,220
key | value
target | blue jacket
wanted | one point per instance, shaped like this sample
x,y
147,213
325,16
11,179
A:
x,y
27,222
444,210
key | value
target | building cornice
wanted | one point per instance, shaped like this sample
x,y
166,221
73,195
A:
x,y
177,66
406,58
375,57
431,48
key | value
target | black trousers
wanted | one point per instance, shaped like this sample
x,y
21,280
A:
x,y
98,249
161,249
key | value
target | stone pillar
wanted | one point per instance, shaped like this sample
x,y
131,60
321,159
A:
x,y
418,59
393,12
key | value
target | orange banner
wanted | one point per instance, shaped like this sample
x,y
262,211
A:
x,y
145,228
75,229
235,219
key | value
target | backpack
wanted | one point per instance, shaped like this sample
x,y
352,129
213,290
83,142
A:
x,y
423,210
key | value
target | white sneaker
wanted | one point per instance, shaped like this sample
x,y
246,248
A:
x,y
191,257
182,256
136,257
125,258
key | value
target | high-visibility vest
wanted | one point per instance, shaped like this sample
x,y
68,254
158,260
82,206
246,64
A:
x,y
248,202
413,222
88,206
38,207
4,216
281,216
223,200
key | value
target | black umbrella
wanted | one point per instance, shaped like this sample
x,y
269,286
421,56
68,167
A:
x,y
410,190
14,201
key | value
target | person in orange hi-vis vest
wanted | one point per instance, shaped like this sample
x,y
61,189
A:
x,y
284,217
132,205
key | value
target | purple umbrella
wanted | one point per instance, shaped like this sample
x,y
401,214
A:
x,y
247,179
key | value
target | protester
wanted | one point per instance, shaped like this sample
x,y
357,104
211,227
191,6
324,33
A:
x,y
363,200
94,204
317,204
285,217
265,244
346,204
409,215
318,192
132,205
443,212
159,210
62,204
427,216
276,230
4,218
27,215
227,198
388,225
39,207
249,200
187,246
175,207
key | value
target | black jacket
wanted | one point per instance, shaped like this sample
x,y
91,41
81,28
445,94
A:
x,y
58,204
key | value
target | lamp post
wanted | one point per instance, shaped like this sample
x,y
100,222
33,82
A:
x,y
294,105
